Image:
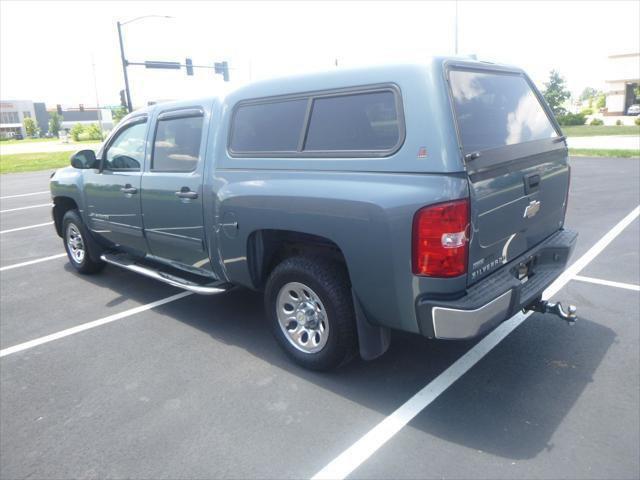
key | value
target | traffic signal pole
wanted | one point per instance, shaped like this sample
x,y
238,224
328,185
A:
x,y
124,70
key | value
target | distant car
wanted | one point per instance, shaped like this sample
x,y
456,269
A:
x,y
634,109
18,136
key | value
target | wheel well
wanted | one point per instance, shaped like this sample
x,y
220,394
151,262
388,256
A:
x,y
62,205
267,248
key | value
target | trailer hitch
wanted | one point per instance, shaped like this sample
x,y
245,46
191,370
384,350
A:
x,y
544,306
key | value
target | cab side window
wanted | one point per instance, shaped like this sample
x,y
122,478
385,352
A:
x,y
126,152
176,147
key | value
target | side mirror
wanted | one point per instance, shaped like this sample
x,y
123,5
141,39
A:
x,y
84,159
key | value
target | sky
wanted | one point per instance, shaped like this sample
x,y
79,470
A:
x,y
49,50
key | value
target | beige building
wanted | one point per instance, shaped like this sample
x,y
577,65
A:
x,y
623,77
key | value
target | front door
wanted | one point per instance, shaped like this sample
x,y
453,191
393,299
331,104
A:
x,y
172,190
113,192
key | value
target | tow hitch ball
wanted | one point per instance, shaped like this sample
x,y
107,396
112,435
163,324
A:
x,y
544,306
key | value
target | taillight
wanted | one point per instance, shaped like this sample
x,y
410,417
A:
x,y
440,239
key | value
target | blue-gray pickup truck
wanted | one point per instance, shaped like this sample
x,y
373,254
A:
x,y
424,198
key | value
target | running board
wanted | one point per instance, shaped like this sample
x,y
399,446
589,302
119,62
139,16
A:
x,y
126,262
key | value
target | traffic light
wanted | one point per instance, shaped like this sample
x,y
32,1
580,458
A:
x,y
59,109
223,69
189,64
123,100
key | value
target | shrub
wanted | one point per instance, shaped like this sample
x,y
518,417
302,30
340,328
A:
x,y
601,102
76,131
637,121
596,122
571,119
618,122
118,114
93,132
586,111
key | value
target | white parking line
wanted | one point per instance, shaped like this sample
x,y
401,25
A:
x,y
608,283
25,194
86,326
26,228
26,208
368,444
31,262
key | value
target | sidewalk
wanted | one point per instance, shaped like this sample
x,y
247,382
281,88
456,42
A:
x,y
615,142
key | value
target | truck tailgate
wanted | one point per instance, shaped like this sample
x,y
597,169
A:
x,y
516,160
515,209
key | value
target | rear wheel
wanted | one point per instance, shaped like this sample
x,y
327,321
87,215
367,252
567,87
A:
x,y
77,244
309,305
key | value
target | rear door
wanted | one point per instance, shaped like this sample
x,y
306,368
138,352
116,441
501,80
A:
x,y
516,161
172,189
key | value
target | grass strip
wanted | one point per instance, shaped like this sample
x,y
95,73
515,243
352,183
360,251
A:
x,y
30,162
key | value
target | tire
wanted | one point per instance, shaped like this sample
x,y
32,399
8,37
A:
x,y
78,244
313,296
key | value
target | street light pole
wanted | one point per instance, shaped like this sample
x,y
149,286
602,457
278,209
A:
x,y
124,70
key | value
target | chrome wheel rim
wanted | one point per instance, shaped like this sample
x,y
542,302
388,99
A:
x,y
75,243
302,317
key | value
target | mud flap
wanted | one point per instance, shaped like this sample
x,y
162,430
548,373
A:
x,y
373,340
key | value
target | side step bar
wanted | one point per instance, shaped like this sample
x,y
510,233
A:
x,y
124,261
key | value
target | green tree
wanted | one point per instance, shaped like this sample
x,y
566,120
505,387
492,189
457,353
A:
x,y
55,123
588,93
556,93
118,114
601,101
76,131
30,127
93,132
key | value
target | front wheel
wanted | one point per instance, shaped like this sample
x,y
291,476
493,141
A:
x,y
310,309
77,244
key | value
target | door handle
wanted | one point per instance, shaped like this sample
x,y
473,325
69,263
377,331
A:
x,y
128,189
531,183
184,192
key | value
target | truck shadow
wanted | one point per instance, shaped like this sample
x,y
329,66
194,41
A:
x,y
509,404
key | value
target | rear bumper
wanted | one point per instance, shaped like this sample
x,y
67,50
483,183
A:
x,y
486,304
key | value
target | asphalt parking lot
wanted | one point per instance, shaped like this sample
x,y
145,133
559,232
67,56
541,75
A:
x,y
197,388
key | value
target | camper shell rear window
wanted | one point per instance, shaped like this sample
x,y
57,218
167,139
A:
x,y
494,109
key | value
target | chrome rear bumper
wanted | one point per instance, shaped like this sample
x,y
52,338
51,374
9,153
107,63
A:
x,y
494,299
454,323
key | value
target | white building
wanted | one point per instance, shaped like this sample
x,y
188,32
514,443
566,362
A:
x,y
623,77
12,114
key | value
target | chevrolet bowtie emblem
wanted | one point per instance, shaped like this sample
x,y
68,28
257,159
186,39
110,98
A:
x,y
532,209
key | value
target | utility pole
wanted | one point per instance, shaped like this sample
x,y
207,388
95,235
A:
x,y
95,86
456,29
